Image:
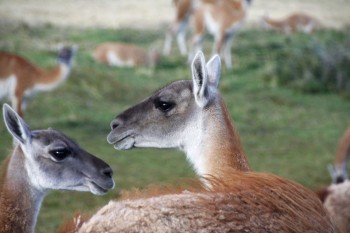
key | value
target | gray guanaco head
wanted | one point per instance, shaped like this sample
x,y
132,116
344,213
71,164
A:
x,y
189,115
55,162
66,54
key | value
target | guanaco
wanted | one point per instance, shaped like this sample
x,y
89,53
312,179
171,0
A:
x,y
296,22
43,160
125,55
20,79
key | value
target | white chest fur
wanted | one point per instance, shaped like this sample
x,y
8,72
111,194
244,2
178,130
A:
x,y
7,86
114,60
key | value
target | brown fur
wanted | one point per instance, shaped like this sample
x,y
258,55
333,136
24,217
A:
x,y
237,200
322,193
343,150
230,150
27,74
183,7
191,185
72,225
222,19
3,170
15,206
221,10
128,54
293,23
252,202
224,12
249,200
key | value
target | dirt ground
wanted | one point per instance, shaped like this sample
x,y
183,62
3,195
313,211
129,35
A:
x,y
154,13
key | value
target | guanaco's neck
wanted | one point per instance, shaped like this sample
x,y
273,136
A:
x,y
48,80
215,149
343,150
19,201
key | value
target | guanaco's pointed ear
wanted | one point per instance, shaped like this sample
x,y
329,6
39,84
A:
x,y
214,70
200,79
16,125
331,171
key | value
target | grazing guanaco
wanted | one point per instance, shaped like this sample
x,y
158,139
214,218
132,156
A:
x,y
222,19
125,55
43,160
20,79
296,22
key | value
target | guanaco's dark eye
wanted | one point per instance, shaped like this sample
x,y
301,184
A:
x,y
164,106
59,154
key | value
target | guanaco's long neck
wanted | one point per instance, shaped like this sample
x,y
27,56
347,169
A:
x,y
343,150
216,149
19,202
53,77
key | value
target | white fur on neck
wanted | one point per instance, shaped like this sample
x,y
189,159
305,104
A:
x,y
7,86
193,145
64,72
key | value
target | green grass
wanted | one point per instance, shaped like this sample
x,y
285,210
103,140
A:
x,y
288,133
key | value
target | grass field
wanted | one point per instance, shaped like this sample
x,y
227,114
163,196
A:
x,y
284,132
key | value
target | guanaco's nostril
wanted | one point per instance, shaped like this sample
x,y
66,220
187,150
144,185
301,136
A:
x,y
107,172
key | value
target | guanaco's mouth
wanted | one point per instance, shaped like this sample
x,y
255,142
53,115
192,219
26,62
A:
x,y
122,141
96,189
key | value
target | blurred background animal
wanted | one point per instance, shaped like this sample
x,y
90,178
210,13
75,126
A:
x,y
183,13
125,55
295,22
20,79
221,18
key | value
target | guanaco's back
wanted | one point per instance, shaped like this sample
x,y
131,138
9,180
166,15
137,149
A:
x,y
124,55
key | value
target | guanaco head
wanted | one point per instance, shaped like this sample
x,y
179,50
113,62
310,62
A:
x,y
248,2
66,54
53,161
171,117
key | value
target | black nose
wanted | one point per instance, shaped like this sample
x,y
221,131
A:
x,y
107,171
